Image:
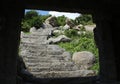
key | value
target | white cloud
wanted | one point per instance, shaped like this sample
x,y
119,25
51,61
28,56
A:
x,y
69,15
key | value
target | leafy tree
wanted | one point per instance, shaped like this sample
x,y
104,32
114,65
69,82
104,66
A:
x,y
44,17
31,19
36,22
25,26
30,14
84,19
61,20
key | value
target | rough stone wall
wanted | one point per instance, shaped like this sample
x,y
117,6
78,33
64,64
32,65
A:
x,y
108,47
9,40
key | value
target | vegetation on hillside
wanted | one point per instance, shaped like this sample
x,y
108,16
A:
x,y
32,18
80,42
85,19
61,20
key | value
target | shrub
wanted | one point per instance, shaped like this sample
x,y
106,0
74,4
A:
x,y
31,19
36,22
84,19
30,14
83,42
61,20
71,33
44,17
25,26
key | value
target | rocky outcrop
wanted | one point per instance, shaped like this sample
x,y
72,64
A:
x,y
66,27
33,29
46,25
83,59
52,21
79,27
44,60
61,38
70,23
89,28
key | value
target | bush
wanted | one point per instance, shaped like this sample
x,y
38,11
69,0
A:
x,y
25,26
30,14
84,19
83,42
70,33
44,17
61,20
36,22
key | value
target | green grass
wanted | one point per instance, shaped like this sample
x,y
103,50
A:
x,y
83,42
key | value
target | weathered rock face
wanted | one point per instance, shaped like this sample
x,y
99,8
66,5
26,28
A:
x,y
44,60
59,32
22,72
46,25
79,27
70,23
33,29
52,21
90,28
61,38
83,59
66,27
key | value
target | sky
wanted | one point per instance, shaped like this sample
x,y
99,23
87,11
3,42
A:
x,y
55,13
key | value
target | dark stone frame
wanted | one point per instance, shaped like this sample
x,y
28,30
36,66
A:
x,y
103,17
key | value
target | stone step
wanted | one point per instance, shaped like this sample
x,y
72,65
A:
x,y
31,36
42,53
56,52
66,67
43,60
42,64
33,52
28,53
31,43
47,64
54,48
38,69
42,32
59,74
54,66
33,46
50,68
41,39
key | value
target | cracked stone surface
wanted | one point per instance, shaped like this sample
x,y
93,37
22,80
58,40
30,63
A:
x,y
44,60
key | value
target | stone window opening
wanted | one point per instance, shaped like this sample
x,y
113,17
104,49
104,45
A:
x,y
28,39
105,15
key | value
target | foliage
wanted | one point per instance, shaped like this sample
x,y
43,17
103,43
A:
x,y
31,19
61,20
44,17
84,19
25,26
83,42
70,33
36,22
30,14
